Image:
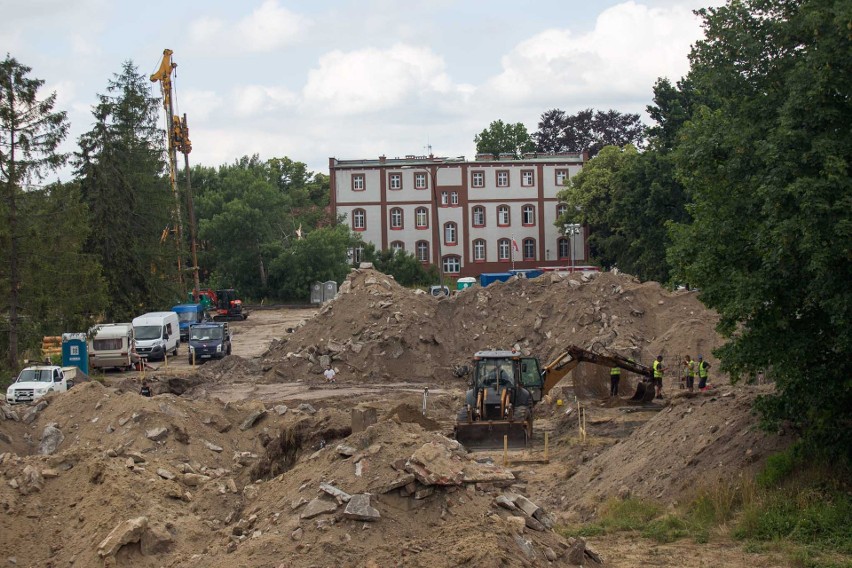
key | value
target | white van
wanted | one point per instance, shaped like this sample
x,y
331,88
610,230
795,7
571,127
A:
x,y
112,345
157,334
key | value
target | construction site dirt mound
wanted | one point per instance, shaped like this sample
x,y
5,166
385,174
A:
x,y
117,479
378,330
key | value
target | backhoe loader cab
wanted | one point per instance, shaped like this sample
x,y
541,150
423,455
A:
x,y
500,400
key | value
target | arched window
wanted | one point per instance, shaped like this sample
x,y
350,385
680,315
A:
x,y
504,249
422,248
479,216
452,264
396,218
528,215
503,219
359,220
479,250
529,249
451,233
421,218
563,246
397,246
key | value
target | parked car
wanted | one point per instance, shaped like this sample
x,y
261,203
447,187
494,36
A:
x,y
34,382
157,333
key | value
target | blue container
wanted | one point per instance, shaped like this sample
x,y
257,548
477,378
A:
x,y
188,314
75,351
528,273
492,277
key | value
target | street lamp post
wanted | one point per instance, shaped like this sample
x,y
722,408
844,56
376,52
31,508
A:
x,y
571,230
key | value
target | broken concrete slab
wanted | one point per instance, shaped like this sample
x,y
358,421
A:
x,y
359,509
318,506
393,484
51,438
157,434
340,495
252,419
125,532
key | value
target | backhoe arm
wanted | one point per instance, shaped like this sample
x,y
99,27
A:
x,y
568,360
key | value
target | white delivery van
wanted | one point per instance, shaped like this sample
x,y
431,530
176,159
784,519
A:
x,y
111,345
157,334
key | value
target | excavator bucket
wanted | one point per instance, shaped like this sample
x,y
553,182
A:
x,y
644,392
488,435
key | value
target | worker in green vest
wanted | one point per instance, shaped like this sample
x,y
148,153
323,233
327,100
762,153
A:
x,y
703,373
658,376
614,378
690,372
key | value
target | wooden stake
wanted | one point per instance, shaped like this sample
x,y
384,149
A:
x,y
505,450
546,439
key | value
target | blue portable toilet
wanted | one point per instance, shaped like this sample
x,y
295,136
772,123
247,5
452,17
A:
x,y
487,278
75,351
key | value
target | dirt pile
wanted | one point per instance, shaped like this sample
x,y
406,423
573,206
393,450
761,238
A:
x,y
378,330
169,481
693,443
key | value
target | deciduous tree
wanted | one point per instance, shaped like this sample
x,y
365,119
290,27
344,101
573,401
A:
x,y
767,165
503,138
587,131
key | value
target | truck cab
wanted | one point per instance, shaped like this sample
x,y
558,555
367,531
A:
x,y
210,340
189,314
34,382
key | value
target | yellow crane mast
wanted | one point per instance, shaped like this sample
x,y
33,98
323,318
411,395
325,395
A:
x,y
178,141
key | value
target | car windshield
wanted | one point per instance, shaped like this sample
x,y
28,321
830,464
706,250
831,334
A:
x,y
148,331
188,317
205,333
36,376
490,370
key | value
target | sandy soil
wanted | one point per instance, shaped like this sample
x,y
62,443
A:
x,y
228,462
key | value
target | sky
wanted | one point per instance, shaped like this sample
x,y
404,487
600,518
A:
x,y
354,79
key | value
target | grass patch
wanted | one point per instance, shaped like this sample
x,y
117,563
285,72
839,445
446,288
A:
x,y
802,510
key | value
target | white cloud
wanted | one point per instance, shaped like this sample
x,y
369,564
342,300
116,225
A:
x,y
369,80
266,29
630,46
255,99
199,104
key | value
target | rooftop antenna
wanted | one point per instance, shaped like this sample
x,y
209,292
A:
x,y
428,147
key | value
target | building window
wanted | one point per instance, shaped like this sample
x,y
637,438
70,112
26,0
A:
x,y
479,216
395,181
561,210
563,246
421,218
529,249
479,250
527,178
422,248
477,179
452,264
503,216
420,181
504,249
450,233
528,215
397,246
502,178
445,198
396,218
561,176
358,182
355,255
359,220
454,198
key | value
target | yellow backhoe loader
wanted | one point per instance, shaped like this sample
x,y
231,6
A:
x,y
505,386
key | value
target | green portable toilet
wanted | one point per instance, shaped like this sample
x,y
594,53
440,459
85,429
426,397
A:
x,y
463,283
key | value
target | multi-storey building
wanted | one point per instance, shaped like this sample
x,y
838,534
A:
x,y
489,215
